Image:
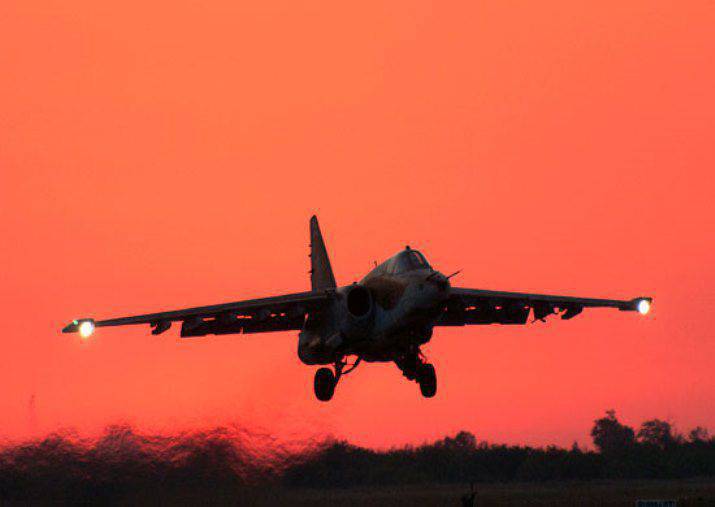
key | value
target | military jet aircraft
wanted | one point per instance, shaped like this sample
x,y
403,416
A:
x,y
387,316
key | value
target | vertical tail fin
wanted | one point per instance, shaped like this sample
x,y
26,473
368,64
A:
x,y
321,274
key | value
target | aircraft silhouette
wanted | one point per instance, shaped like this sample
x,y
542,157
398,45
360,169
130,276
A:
x,y
385,317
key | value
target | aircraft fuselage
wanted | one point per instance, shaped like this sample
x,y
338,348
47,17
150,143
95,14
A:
x,y
385,314
407,307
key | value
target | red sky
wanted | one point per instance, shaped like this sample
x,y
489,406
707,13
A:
x,y
157,155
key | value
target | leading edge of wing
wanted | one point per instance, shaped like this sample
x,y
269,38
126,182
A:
x,y
622,304
309,297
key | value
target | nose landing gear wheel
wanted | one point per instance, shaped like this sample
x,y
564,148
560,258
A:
x,y
324,384
427,379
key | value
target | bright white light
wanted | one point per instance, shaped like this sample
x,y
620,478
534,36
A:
x,y
643,306
86,328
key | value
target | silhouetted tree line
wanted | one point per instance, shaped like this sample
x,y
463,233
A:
x,y
122,462
654,452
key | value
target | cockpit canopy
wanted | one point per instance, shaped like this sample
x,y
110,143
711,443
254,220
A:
x,y
402,262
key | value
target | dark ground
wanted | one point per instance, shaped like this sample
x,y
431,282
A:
x,y
612,493
691,492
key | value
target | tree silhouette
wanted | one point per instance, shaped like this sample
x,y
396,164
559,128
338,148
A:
x,y
656,433
610,436
698,435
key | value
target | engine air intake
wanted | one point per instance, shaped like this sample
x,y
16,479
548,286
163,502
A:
x,y
359,301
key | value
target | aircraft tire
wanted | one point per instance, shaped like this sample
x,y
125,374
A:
x,y
324,384
428,381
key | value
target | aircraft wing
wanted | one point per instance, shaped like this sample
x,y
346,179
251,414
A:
x,y
277,313
477,306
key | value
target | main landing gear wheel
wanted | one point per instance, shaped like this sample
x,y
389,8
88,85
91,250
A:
x,y
324,384
427,380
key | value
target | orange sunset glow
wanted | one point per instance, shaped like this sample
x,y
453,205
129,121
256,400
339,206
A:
x,y
160,155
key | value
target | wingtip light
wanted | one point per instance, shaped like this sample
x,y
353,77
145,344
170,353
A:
x,y
643,306
86,329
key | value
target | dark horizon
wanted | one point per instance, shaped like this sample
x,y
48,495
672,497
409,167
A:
x,y
124,462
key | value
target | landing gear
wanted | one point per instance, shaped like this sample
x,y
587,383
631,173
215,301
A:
x,y
325,380
324,384
415,368
427,380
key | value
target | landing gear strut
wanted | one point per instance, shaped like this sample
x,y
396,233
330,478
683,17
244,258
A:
x,y
415,368
325,380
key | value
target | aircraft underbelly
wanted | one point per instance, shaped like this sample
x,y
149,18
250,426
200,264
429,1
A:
x,y
395,330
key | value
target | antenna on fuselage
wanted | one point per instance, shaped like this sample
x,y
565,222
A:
x,y
435,273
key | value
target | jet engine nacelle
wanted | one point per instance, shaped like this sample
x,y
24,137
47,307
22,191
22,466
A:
x,y
357,312
349,319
